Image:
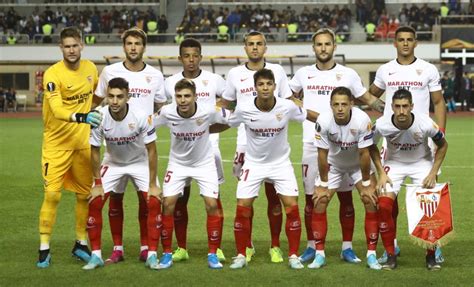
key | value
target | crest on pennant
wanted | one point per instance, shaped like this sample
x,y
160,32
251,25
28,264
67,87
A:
x,y
338,76
279,116
205,82
131,126
419,71
199,121
429,201
148,79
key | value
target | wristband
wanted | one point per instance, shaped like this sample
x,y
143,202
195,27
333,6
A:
x,y
80,118
323,184
366,183
443,130
97,181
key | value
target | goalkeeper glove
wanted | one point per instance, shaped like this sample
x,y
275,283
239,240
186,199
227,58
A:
x,y
94,118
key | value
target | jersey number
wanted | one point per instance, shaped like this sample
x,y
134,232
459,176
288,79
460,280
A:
x,y
386,169
244,174
104,169
305,169
168,176
239,158
46,165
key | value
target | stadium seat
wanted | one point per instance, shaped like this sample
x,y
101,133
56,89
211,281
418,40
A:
x,y
22,100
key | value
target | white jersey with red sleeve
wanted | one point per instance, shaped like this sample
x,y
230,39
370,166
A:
x,y
267,132
420,78
190,145
146,87
344,141
317,86
126,139
410,145
240,85
209,86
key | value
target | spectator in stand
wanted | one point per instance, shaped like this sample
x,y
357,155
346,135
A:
x,y
233,21
393,24
382,30
10,99
362,12
370,30
2,97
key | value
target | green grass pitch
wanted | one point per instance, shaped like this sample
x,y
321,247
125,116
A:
x,y
21,196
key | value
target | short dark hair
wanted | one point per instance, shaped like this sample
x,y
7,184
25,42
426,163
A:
x,y
190,43
402,94
342,91
263,73
407,29
185,84
118,83
134,32
70,32
255,33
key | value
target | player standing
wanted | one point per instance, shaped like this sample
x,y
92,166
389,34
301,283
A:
x,y
407,133
69,89
131,153
147,94
417,76
343,138
191,157
317,81
209,87
266,120
239,86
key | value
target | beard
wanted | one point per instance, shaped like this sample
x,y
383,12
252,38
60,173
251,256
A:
x,y
323,60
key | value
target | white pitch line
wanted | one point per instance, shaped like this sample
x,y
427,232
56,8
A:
x,y
299,163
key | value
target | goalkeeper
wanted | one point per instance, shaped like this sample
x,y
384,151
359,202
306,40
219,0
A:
x,y
69,90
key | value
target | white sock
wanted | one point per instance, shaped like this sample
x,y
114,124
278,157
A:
x,y
346,245
321,252
151,253
395,243
370,252
143,247
97,253
118,247
83,242
44,246
311,244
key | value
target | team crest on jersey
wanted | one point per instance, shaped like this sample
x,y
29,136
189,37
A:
x,y
199,121
419,71
354,132
131,126
50,86
89,78
338,76
418,136
369,126
148,79
279,116
150,120
205,82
